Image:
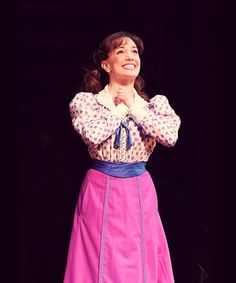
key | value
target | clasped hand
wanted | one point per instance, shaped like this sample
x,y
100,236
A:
x,y
125,95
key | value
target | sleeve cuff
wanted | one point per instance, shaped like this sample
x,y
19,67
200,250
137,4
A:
x,y
138,110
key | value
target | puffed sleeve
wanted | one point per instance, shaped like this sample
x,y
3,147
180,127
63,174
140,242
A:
x,y
94,123
157,119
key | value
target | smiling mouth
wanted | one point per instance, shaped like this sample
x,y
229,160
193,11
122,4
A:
x,y
129,66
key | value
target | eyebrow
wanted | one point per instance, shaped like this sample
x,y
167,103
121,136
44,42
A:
x,y
123,46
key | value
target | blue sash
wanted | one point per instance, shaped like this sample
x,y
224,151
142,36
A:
x,y
119,169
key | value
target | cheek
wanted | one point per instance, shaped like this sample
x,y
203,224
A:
x,y
116,63
139,65
119,61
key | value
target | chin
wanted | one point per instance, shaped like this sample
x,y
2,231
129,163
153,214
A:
x,y
131,74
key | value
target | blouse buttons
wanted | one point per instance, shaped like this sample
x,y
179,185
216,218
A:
x,y
123,139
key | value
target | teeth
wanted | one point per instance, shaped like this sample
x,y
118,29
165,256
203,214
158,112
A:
x,y
129,66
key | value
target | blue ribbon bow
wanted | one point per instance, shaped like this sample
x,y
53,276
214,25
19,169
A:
x,y
118,136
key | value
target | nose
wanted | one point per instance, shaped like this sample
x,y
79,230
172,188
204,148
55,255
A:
x,y
129,56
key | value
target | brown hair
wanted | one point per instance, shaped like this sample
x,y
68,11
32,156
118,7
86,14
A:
x,y
95,79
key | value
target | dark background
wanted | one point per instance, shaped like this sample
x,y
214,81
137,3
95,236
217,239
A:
x,y
179,60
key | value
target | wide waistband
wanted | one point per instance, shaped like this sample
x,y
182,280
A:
x,y
119,169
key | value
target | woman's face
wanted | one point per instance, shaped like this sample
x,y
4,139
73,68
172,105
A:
x,y
123,62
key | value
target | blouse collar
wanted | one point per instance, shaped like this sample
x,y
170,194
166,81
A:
x,y
105,99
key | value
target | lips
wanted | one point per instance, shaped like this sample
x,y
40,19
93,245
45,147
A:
x,y
129,66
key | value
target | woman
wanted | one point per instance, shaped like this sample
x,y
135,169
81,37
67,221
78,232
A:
x,y
117,234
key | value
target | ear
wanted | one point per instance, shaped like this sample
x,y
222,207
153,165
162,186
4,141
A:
x,y
105,66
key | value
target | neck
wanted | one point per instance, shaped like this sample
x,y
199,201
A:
x,y
113,87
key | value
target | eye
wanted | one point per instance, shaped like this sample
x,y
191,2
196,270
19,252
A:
x,y
135,51
120,51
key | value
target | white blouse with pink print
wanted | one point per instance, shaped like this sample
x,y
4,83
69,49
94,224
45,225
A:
x,y
98,120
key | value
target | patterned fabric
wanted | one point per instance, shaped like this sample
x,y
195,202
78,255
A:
x,y
96,118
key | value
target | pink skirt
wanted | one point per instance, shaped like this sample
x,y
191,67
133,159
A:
x,y
117,234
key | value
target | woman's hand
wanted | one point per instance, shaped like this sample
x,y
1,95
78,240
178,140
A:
x,y
125,95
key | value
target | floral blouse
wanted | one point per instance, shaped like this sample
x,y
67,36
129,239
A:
x,y
97,119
